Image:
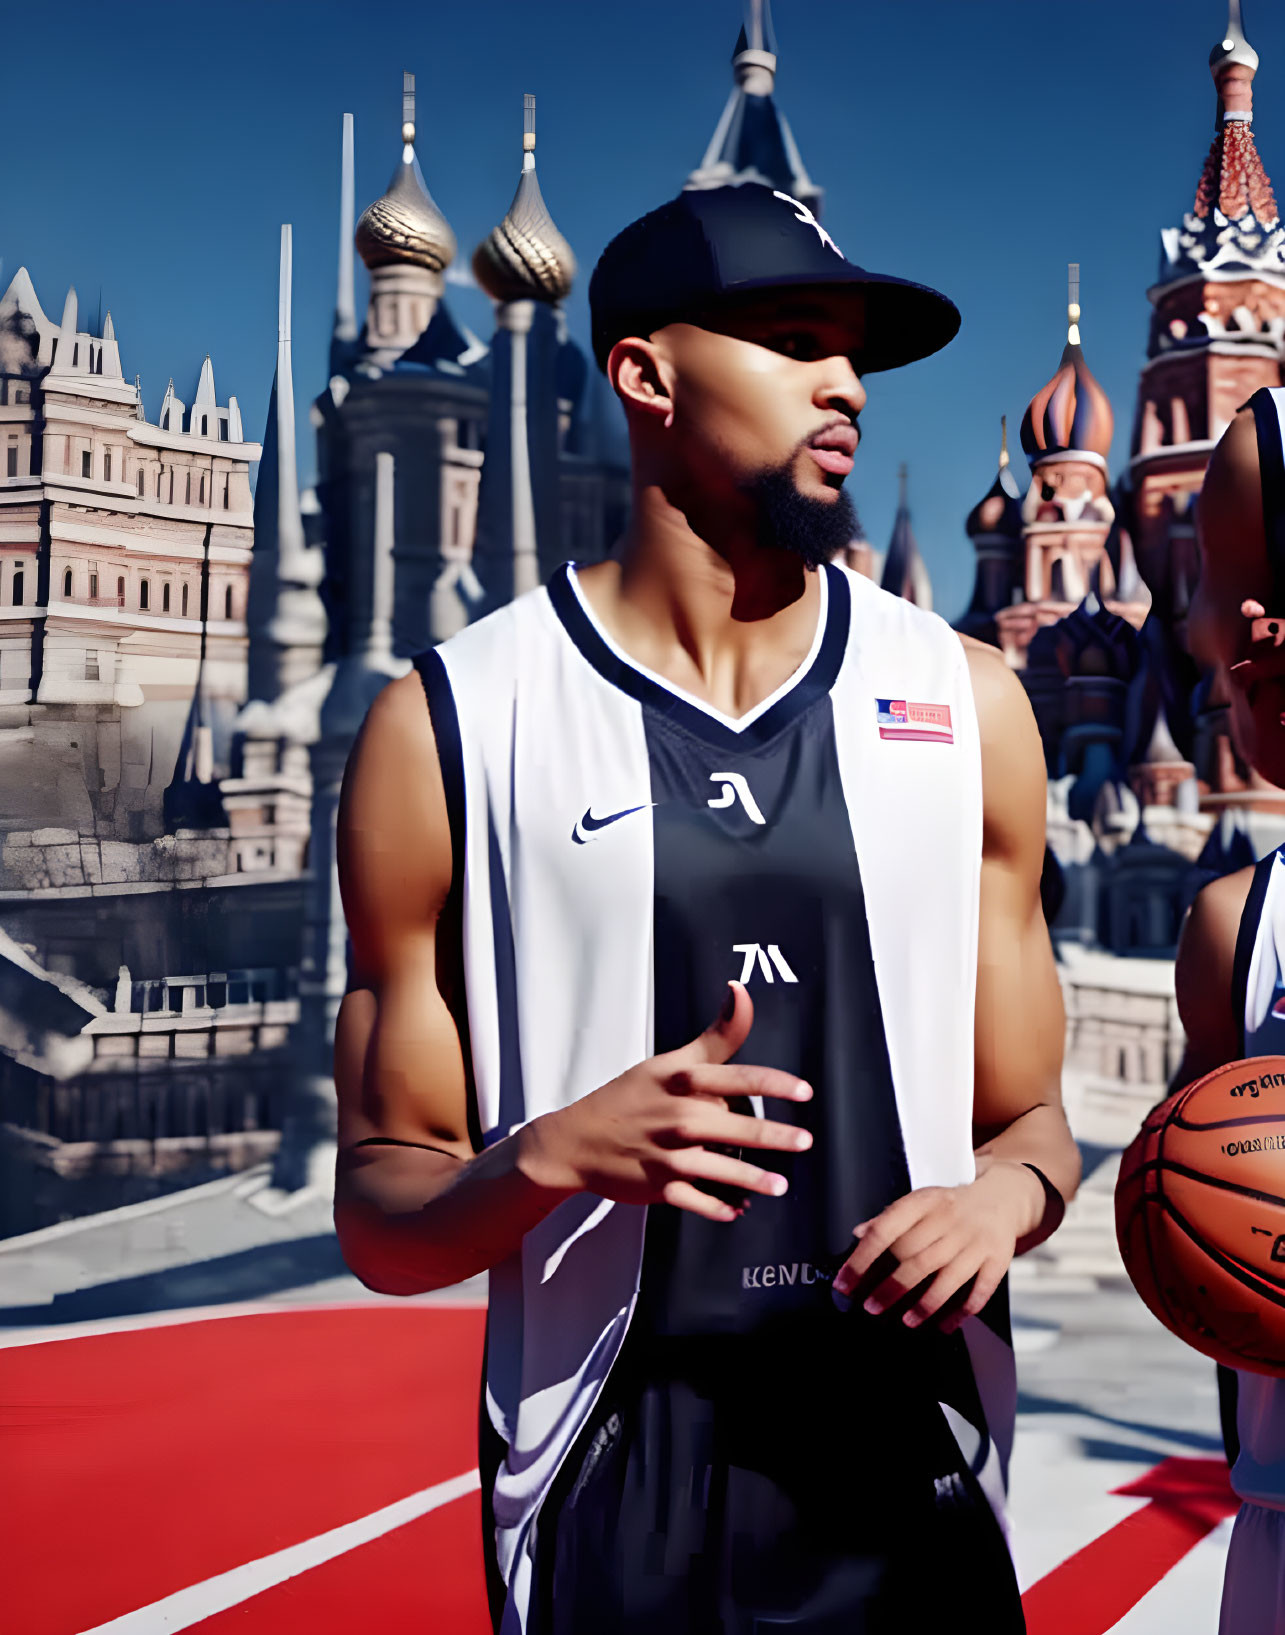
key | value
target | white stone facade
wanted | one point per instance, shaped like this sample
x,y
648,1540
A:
x,y
106,522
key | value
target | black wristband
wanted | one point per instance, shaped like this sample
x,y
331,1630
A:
x,y
1054,1200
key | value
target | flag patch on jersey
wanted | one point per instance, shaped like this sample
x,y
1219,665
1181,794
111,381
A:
x,y
922,723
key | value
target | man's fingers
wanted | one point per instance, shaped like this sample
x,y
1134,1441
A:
x,y
724,1081
882,1234
700,1122
725,1034
683,1195
698,1164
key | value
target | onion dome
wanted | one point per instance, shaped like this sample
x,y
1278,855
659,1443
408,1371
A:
x,y
405,226
998,514
1070,417
526,258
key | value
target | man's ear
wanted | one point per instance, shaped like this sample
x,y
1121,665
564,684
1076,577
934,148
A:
x,y
640,378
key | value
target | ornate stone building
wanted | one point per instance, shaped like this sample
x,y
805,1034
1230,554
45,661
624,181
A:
x,y
1086,590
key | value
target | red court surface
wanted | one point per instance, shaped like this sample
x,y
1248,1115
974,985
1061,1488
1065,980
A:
x,y
139,1462
142,1461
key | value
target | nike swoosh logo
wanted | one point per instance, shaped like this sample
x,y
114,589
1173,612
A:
x,y
589,825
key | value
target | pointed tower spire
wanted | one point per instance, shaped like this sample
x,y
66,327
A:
x,y
904,573
192,798
1073,303
367,662
345,330
1234,226
286,617
205,386
752,142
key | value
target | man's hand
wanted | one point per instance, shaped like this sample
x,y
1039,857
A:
x,y
1266,660
645,1138
942,1238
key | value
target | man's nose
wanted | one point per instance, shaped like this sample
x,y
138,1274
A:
x,y
840,388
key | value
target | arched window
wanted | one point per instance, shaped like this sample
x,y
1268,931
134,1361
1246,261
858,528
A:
x,y
75,356
93,587
140,482
107,466
120,592
227,487
86,463
187,497
66,583
165,596
205,425
227,603
144,590
171,485
202,488
17,587
183,602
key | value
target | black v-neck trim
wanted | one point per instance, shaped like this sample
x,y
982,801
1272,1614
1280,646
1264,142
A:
x,y
814,683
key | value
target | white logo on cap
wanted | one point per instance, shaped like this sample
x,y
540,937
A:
x,y
805,215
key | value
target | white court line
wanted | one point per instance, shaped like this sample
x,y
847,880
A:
x,y
198,1601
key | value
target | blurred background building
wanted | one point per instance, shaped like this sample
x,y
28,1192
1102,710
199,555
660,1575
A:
x,y
183,669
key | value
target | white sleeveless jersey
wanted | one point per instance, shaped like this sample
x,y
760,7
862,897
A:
x,y
1259,1472
621,850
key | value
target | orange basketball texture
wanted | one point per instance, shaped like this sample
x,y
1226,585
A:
x,y
1200,1214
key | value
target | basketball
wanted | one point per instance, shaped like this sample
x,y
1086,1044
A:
x,y
1200,1214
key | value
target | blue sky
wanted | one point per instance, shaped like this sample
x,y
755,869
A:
x,y
979,145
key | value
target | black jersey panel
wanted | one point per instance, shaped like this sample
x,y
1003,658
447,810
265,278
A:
x,y
756,878
1271,468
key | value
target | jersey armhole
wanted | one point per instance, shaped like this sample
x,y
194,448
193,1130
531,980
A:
x,y
1246,935
450,755
1271,467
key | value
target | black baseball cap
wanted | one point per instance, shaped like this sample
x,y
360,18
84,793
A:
x,y
708,246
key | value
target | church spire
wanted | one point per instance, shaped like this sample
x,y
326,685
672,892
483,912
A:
x,y
1233,228
753,142
286,617
345,330
193,799
904,573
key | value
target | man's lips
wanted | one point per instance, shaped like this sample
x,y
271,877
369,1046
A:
x,y
834,448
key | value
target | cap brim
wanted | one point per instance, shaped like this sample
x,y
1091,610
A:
x,y
895,321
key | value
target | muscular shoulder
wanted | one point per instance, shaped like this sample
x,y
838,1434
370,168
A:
x,y
393,841
1013,775
1203,974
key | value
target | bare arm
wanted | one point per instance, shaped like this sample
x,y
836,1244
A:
x,y
426,1212
1203,976
419,1209
1020,1025
952,1245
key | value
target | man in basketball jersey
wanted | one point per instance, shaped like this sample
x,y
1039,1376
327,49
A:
x,y
1230,974
748,1363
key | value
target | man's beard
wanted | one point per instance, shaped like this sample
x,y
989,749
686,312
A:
x,y
811,529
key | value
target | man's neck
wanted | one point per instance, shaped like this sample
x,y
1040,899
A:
x,y
727,624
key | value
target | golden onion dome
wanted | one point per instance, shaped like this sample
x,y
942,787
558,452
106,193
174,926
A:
x,y
526,258
405,226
